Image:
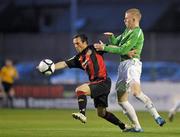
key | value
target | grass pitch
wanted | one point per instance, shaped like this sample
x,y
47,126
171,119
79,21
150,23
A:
x,y
59,123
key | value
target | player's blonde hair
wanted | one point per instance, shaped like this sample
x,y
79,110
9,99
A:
x,y
135,12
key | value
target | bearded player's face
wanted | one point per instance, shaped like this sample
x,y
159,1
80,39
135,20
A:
x,y
78,44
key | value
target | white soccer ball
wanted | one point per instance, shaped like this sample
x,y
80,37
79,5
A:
x,y
46,67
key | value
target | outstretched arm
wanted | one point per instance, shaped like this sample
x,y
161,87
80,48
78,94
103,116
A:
x,y
122,49
100,47
60,65
112,39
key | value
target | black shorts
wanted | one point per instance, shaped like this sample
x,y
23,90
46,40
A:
x,y
100,91
7,86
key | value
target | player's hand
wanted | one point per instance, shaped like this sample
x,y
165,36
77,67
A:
x,y
132,53
99,46
108,34
101,42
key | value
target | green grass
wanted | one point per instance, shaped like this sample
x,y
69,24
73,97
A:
x,y
59,123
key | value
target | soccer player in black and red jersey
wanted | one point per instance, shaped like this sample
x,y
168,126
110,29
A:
x,y
92,62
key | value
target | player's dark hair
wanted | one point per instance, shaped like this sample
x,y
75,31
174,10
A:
x,y
83,37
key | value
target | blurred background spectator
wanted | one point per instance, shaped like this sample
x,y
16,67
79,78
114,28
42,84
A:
x,y
8,74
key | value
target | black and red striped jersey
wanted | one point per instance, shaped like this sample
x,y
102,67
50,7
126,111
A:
x,y
90,61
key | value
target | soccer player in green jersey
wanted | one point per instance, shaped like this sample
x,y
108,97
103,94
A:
x,y
129,70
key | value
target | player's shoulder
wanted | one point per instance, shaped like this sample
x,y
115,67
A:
x,y
137,29
91,46
93,49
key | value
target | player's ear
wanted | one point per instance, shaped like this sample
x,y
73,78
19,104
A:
x,y
134,19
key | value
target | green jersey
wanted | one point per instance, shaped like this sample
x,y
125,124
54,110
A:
x,y
127,41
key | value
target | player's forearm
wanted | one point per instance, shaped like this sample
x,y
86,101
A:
x,y
122,49
113,49
114,40
60,65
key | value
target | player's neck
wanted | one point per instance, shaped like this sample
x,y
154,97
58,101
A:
x,y
135,26
84,47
